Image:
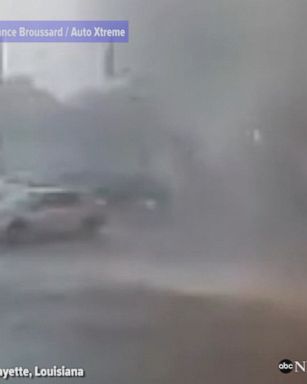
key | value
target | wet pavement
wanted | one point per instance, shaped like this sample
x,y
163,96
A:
x,y
129,307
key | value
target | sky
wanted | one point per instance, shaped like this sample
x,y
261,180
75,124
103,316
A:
x,y
210,62
66,69
205,45
61,68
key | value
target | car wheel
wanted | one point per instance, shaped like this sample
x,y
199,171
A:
x,y
17,232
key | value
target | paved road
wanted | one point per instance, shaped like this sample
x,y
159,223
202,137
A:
x,y
131,307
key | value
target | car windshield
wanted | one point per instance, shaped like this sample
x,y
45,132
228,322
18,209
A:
x,y
37,199
15,201
57,199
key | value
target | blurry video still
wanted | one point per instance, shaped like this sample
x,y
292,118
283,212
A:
x,y
153,191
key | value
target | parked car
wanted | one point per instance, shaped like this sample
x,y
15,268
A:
x,y
41,211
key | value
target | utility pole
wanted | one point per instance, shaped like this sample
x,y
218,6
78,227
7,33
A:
x,y
1,62
109,62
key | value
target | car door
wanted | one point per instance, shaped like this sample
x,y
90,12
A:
x,y
47,214
69,212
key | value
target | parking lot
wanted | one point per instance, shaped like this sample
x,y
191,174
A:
x,y
129,306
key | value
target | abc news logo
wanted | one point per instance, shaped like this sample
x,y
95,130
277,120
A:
x,y
287,366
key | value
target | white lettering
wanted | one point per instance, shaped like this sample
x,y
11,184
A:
x,y
81,32
300,366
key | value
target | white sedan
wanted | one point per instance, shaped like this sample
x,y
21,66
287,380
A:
x,y
37,212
